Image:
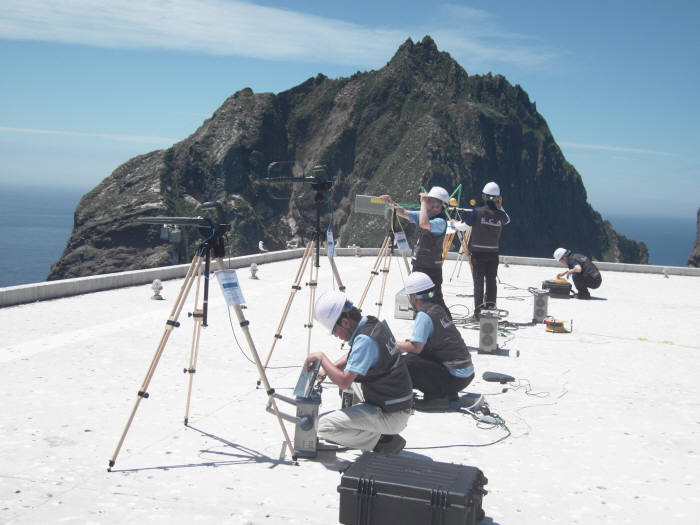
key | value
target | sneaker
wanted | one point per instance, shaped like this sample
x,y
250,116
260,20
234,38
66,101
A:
x,y
438,403
392,446
473,319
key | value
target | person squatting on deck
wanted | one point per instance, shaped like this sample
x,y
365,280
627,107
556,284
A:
x,y
436,355
374,361
583,272
432,225
486,221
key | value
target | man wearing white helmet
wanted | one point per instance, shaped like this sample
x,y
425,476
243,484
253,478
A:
x,y
487,222
432,225
374,361
583,272
436,355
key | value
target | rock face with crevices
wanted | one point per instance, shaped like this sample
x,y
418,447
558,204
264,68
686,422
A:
x,y
419,121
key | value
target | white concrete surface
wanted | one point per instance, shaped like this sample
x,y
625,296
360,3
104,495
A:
x,y
607,432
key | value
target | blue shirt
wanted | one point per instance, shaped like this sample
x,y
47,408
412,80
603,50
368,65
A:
x,y
438,225
364,354
423,330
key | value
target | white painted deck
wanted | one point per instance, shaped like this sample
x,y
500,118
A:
x,y
607,432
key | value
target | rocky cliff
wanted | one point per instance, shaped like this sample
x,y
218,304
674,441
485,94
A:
x,y
419,121
694,257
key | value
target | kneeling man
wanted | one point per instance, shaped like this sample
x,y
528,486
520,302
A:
x,y
436,355
374,361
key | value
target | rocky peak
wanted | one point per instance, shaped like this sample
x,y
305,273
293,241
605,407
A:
x,y
418,121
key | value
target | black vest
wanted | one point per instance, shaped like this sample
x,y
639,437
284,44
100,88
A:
x,y
387,384
486,229
588,269
427,252
446,344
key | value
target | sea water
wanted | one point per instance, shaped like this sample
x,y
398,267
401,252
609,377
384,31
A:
x,y
35,223
669,239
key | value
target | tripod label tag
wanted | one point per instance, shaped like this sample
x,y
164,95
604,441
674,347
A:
x,y
228,282
331,244
402,242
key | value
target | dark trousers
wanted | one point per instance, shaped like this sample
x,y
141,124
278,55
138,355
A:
x,y
433,379
485,270
435,275
584,282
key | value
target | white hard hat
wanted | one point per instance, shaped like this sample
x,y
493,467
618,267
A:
x,y
418,282
492,189
328,308
440,193
559,253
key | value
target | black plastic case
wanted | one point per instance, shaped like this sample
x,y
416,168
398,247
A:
x,y
379,489
557,289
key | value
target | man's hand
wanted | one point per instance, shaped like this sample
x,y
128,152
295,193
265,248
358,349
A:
x,y
309,364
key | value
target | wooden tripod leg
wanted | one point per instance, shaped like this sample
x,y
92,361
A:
x,y
405,261
170,324
295,288
313,283
374,271
460,257
261,371
385,271
341,286
198,317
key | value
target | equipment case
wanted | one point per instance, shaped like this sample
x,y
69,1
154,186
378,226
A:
x,y
379,489
557,287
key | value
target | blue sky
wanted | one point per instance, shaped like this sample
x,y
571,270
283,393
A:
x,y
88,84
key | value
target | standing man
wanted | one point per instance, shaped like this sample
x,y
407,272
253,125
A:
x,y
436,356
486,221
584,273
374,362
432,225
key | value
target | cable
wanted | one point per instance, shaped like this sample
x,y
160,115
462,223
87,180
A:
x,y
240,348
488,421
525,384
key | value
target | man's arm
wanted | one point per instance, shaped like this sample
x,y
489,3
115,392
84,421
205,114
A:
x,y
401,212
499,205
423,217
422,331
575,269
411,347
340,377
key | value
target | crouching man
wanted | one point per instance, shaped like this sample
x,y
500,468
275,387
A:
x,y
584,273
374,362
436,355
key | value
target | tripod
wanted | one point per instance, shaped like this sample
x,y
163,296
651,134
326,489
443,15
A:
x,y
213,242
385,255
313,249
463,254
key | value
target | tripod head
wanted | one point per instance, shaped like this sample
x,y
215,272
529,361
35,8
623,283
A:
x,y
212,233
317,177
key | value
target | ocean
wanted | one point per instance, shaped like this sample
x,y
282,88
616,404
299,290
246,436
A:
x,y
35,224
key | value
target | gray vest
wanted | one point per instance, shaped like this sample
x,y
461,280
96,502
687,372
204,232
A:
x,y
387,384
427,252
588,269
486,229
446,344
